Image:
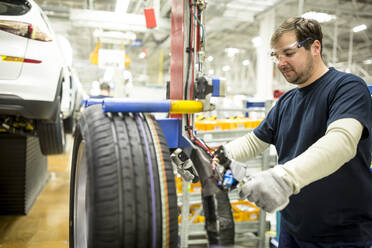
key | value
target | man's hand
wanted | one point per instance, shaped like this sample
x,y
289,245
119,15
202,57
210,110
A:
x,y
237,168
268,190
221,157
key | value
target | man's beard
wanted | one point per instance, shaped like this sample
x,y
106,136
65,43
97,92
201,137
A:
x,y
303,76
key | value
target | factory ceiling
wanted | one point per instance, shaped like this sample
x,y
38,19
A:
x,y
229,24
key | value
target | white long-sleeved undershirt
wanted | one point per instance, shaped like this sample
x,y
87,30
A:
x,y
324,157
246,147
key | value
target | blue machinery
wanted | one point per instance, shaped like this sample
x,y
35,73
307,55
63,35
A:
x,y
172,127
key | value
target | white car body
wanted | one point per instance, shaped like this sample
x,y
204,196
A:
x,y
37,83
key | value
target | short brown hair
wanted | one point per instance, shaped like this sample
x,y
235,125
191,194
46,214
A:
x,y
104,86
304,28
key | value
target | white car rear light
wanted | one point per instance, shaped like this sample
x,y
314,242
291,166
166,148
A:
x,y
24,29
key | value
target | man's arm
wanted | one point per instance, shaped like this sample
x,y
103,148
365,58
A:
x,y
327,155
246,147
271,189
240,150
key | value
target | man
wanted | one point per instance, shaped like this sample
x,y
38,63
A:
x,y
322,133
105,90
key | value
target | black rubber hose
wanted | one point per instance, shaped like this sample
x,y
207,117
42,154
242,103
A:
x,y
202,163
219,221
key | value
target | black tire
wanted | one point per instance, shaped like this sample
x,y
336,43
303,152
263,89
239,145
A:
x,y
122,191
52,136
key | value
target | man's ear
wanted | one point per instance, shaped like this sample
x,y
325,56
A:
x,y
316,47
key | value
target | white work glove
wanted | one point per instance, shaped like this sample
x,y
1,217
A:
x,y
238,170
267,189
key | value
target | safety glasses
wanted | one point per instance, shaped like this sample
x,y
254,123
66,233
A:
x,y
287,51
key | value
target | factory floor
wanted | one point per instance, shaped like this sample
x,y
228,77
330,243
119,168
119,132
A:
x,y
46,225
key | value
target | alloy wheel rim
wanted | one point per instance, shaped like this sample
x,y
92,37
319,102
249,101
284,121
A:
x,y
80,200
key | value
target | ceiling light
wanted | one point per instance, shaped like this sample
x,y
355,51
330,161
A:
x,y
257,41
210,58
367,62
319,16
142,55
226,68
246,62
231,51
359,28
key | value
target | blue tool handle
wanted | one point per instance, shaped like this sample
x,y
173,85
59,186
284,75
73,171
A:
x,y
92,101
135,107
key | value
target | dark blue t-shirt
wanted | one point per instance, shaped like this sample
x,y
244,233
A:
x,y
337,207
